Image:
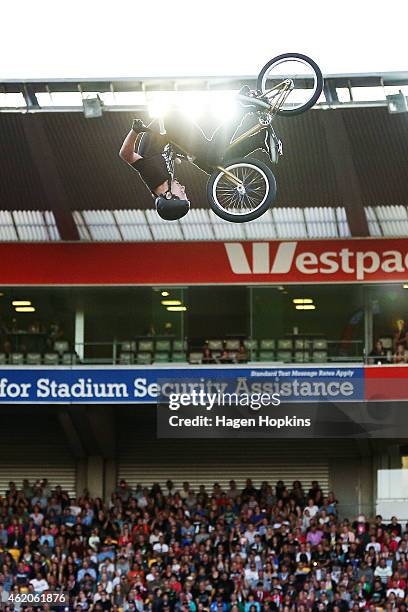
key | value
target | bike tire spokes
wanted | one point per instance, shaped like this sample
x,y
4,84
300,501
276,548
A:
x,y
247,197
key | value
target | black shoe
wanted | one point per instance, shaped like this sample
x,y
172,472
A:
x,y
139,127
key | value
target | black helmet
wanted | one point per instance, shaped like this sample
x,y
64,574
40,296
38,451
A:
x,y
170,207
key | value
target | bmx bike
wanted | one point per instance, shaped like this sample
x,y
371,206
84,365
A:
x,y
243,189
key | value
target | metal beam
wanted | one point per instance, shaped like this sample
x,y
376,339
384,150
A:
x,y
348,184
108,84
102,424
30,96
330,91
43,159
73,439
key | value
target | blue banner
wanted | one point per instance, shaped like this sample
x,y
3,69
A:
x,y
146,385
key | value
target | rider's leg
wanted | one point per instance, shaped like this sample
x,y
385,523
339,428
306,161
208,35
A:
x,y
150,143
186,135
223,136
191,140
259,140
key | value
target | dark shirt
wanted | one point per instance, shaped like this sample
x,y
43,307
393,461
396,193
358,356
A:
x,y
153,170
400,337
208,359
378,356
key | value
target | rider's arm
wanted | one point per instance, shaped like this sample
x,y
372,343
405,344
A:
x,y
127,150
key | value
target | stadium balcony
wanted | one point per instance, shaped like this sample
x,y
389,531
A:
x,y
153,350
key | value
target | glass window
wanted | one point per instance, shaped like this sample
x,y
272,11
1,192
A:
x,y
308,323
33,319
143,321
389,304
169,306
113,316
217,313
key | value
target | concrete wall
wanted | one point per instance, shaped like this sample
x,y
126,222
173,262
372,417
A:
x,y
352,483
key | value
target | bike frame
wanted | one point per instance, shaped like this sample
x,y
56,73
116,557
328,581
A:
x,y
282,91
279,92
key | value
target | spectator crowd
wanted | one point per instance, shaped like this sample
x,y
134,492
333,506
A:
x,y
380,355
164,549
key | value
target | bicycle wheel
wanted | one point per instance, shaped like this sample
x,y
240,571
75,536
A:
x,y
302,71
245,202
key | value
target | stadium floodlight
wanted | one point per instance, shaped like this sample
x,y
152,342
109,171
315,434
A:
x,y
302,301
92,107
223,104
305,307
159,103
192,103
25,309
397,103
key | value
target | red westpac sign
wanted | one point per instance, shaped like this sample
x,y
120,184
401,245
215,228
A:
x,y
167,263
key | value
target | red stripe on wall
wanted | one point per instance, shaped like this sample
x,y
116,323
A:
x,y
166,263
386,382
386,372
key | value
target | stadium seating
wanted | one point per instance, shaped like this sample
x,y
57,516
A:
x,y
179,346
285,344
128,346
161,358
16,359
51,359
284,356
145,346
162,346
319,356
61,346
145,351
126,358
267,344
69,359
291,528
266,356
144,358
232,345
33,359
215,345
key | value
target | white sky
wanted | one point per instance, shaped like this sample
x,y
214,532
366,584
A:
x,y
151,38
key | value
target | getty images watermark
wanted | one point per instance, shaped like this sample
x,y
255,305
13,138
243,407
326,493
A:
x,y
206,400
219,400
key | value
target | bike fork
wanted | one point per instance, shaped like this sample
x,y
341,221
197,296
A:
x,y
230,176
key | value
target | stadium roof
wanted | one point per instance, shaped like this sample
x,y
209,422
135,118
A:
x,y
344,172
